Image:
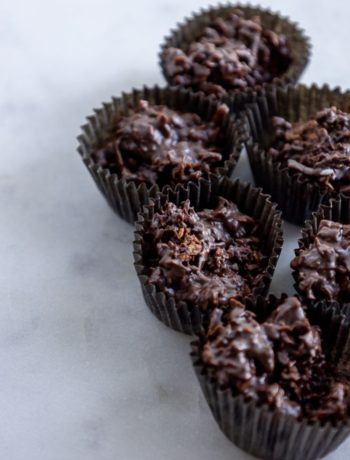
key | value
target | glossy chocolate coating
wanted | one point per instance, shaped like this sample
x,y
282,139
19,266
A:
x,y
318,148
158,145
205,258
279,362
324,267
232,52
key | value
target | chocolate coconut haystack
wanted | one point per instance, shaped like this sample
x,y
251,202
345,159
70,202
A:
x,y
279,363
323,269
205,258
158,145
319,148
232,52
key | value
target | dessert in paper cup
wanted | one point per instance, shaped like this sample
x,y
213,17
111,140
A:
x,y
299,147
203,245
274,375
153,137
234,48
321,267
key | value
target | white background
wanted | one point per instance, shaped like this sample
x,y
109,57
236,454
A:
x,y
86,372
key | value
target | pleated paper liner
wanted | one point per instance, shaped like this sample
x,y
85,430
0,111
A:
x,y
296,197
124,196
337,210
191,28
203,194
264,432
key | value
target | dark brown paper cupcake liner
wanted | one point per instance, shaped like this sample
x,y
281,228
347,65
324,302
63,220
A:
x,y
263,432
124,196
337,210
179,315
296,197
190,28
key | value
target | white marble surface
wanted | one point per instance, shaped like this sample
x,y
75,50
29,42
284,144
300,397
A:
x,y
86,372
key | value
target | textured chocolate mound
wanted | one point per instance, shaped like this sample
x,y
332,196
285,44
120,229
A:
x,y
279,362
206,258
319,148
324,267
233,52
158,145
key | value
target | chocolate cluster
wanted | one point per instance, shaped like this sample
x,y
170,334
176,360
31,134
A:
x,y
323,268
158,145
233,52
206,258
279,362
318,149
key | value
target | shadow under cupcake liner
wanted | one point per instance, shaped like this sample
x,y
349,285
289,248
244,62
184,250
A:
x,y
296,197
203,194
263,432
337,210
124,196
190,28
